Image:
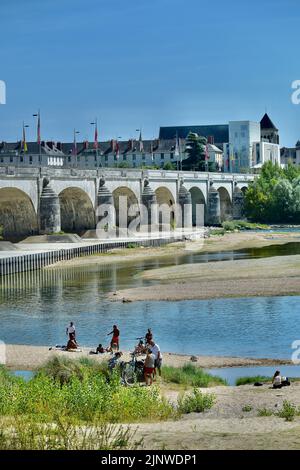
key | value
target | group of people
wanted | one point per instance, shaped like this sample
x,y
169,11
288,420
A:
x,y
73,345
153,360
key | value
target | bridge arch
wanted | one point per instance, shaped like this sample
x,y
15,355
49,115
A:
x,y
166,207
77,212
225,204
198,206
126,206
18,217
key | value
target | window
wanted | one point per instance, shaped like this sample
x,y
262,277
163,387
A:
x,y
30,160
11,159
106,158
144,157
162,156
124,158
172,156
134,156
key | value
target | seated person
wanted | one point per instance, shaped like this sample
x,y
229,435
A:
x,y
100,349
72,344
278,381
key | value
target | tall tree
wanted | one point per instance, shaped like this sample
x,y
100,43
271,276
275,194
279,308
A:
x,y
195,150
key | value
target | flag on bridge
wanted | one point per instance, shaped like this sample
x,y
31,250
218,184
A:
x,y
96,135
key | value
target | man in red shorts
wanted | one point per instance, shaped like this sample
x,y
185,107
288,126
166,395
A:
x,y
114,344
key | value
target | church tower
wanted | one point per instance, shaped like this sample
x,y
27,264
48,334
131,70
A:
x,y
269,133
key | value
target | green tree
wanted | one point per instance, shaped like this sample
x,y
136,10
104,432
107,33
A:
x,y
274,197
195,150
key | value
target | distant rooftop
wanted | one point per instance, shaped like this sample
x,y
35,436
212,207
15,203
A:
x,y
219,132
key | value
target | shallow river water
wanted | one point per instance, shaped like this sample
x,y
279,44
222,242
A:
x,y
36,307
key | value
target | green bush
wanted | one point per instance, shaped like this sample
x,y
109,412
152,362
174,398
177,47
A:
x,y
191,375
195,403
80,392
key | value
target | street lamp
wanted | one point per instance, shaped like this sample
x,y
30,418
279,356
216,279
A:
x,y
38,116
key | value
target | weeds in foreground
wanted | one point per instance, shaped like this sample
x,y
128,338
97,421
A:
x,y
27,434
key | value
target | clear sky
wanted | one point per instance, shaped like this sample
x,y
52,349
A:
x,y
146,63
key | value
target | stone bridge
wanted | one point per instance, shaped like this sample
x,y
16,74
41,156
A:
x,y
47,200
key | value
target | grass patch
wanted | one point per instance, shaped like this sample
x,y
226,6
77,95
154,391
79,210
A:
x,y
233,225
217,231
190,375
251,380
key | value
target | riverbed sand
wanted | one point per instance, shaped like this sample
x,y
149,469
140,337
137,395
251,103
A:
x,y
25,357
279,275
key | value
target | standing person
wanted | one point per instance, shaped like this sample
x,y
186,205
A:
x,y
148,336
149,367
115,344
155,349
70,330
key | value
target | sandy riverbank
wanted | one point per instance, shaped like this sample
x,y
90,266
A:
x,y
273,276
25,357
229,241
227,425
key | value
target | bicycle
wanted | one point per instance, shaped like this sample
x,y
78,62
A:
x,y
132,371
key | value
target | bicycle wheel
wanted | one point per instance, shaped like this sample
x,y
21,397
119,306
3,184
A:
x,y
129,375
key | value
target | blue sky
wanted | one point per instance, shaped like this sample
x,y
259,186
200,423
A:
x,y
146,63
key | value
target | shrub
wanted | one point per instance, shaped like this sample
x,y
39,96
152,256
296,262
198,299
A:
x,y
196,403
288,411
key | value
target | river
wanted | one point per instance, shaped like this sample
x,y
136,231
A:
x,y
36,307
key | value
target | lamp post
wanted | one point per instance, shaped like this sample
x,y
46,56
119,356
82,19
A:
x,y
38,116
75,146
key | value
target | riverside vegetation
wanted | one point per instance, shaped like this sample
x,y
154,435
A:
x,y
72,404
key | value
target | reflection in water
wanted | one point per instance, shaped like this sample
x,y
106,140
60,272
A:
x,y
36,306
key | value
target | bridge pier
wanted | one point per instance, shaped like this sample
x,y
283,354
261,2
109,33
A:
x,y
237,204
105,210
148,213
184,218
213,216
49,213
